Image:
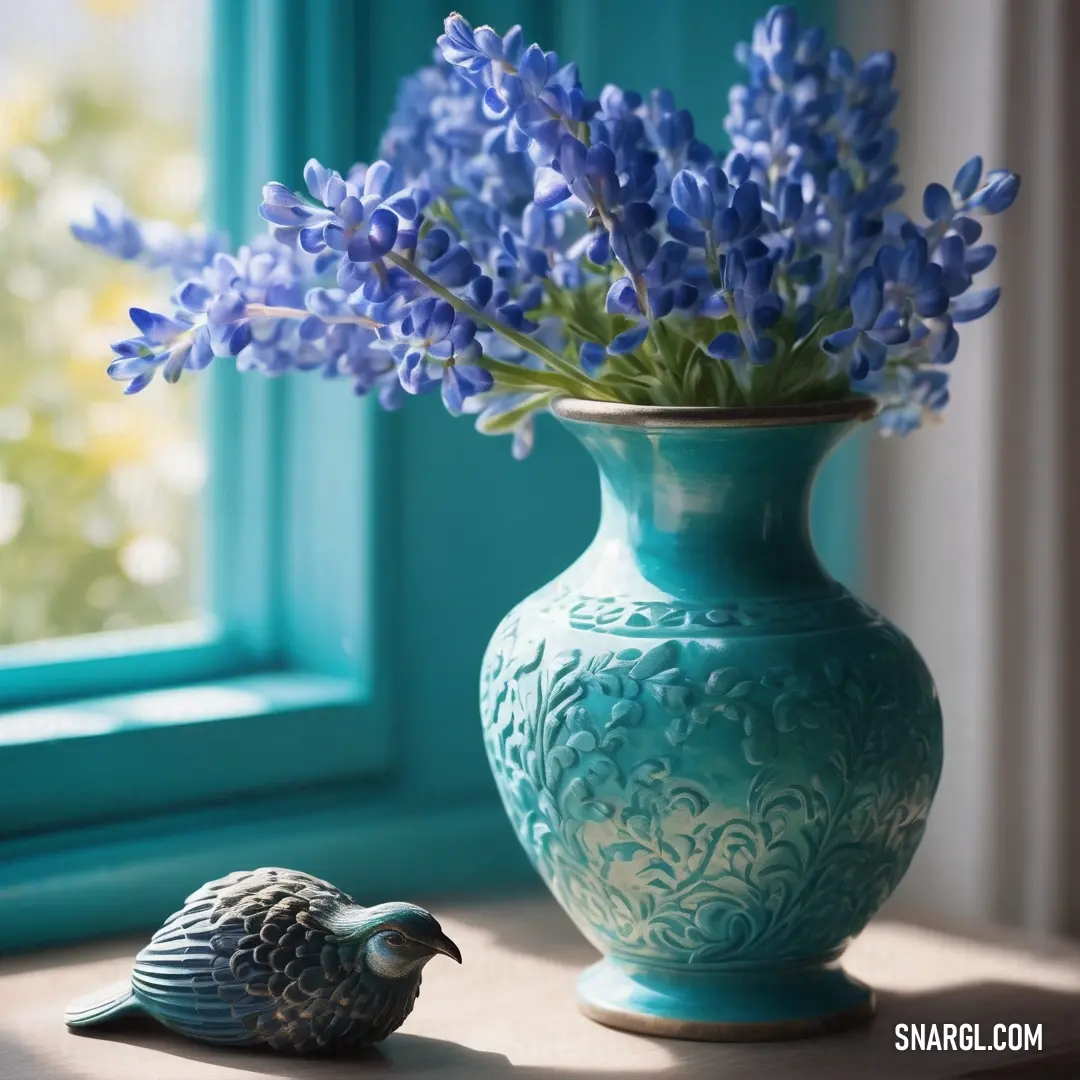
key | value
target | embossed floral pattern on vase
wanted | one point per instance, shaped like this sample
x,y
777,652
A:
x,y
690,808
716,779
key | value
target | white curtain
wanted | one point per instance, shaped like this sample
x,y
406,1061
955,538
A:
x,y
972,524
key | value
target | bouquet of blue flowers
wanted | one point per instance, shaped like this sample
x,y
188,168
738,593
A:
x,y
519,240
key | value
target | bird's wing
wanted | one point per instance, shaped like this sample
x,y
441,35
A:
x,y
173,979
266,886
311,993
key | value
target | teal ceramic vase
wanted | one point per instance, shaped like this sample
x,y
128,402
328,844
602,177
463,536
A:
x,y
718,759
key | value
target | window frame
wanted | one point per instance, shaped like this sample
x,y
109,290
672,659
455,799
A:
x,y
288,640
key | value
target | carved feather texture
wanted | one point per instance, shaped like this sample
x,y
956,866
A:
x,y
249,959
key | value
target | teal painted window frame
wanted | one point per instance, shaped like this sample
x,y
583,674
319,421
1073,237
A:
x,y
163,720
326,716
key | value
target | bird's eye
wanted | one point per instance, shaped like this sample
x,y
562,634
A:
x,y
395,940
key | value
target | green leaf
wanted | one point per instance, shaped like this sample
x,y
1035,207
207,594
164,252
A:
x,y
694,381
506,422
702,331
511,375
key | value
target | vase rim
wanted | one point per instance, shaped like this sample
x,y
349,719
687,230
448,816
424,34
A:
x,y
850,408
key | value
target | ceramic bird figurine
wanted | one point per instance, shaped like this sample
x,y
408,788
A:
x,y
280,958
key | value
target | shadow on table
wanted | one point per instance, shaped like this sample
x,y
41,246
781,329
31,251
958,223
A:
x,y
855,1056
403,1054
17,1062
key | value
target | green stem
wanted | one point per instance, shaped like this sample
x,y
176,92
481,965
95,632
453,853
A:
x,y
300,313
712,260
519,378
730,391
583,386
744,332
667,374
635,382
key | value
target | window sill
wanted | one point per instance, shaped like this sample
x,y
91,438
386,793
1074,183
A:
x,y
98,664
98,760
367,837
509,1011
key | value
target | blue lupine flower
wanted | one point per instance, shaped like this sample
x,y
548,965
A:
x,y
967,178
693,197
671,131
474,50
974,305
660,282
998,194
156,244
536,98
431,331
802,105
171,344
995,196
116,233
503,195
461,381
873,328
915,394
909,275
359,223
592,356
938,203
232,295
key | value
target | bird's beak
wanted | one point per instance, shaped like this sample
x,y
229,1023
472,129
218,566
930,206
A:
x,y
442,944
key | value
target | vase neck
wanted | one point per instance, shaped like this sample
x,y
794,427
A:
x,y
719,512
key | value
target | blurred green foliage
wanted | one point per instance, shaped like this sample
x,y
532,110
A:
x,y
99,495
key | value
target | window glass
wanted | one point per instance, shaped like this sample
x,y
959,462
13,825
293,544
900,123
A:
x,y
100,495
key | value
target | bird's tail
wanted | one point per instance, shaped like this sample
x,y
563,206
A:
x,y
96,1008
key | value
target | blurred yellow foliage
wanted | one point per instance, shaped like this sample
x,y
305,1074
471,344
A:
x,y
99,515
24,103
116,9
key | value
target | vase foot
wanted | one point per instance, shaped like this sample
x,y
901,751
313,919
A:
x,y
746,1006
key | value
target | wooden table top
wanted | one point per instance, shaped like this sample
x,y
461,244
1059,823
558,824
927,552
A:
x,y
509,1012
